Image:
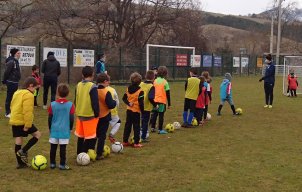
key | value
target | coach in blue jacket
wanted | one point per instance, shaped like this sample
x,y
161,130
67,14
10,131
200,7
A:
x,y
269,81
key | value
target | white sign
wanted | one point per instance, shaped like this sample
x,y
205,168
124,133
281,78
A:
x,y
83,57
28,54
60,55
244,61
195,62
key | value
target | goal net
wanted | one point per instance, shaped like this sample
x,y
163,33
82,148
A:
x,y
292,64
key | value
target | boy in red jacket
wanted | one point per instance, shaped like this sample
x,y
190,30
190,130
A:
x,y
293,84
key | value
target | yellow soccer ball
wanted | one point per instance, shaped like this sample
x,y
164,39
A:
x,y
92,154
132,140
39,162
106,151
239,111
195,122
170,128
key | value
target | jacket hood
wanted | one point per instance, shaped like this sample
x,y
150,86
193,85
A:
x,y
225,81
51,58
133,88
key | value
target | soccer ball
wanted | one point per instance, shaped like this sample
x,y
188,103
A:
x,y
176,125
170,128
117,147
83,159
106,151
239,111
92,154
39,162
194,122
132,140
209,116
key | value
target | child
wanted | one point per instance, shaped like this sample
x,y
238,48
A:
x,y
207,84
293,84
105,104
201,100
154,69
161,97
226,93
134,99
87,111
148,89
22,108
35,74
115,121
60,123
192,89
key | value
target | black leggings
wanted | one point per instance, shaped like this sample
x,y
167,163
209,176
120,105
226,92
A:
x,y
269,93
53,151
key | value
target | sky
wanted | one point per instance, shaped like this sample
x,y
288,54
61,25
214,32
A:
x,y
239,7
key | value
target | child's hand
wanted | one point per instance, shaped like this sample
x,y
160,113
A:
x,y
26,128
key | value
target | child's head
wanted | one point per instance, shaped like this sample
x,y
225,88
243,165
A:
x,y
162,71
205,74
154,69
202,79
63,90
35,69
193,71
228,76
150,75
87,72
30,83
135,78
103,79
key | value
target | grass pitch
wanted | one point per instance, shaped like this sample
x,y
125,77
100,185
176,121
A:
x,y
258,151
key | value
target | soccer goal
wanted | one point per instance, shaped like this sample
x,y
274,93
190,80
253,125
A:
x,y
292,64
164,46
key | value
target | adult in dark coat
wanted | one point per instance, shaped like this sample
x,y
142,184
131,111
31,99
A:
x,y
11,78
51,69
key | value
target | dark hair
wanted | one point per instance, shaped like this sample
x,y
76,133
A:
x,y
193,70
63,90
154,68
100,56
162,71
28,81
87,71
202,79
13,51
150,75
34,67
268,57
102,77
50,53
135,78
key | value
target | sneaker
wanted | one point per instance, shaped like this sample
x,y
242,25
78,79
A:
x,y
126,144
99,157
44,106
189,126
145,140
23,156
153,130
265,106
64,167
235,114
162,132
53,166
21,166
111,138
270,106
218,114
184,125
7,115
138,145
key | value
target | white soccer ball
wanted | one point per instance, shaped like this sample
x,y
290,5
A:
x,y
117,147
209,116
83,159
176,125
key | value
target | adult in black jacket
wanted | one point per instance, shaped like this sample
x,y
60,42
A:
x,y
51,69
12,76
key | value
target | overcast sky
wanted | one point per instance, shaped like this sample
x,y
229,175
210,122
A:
x,y
239,7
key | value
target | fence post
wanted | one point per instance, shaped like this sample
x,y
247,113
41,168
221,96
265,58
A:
x,y
69,61
212,65
173,63
0,58
39,56
120,63
232,64
222,64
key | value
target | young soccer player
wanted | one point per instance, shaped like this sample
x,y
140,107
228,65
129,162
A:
x,y
35,74
60,123
161,98
293,84
105,103
201,101
148,89
87,111
134,99
115,121
22,115
207,84
226,93
192,90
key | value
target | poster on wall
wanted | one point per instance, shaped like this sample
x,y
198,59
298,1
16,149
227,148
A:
x,y
259,62
181,59
217,61
83,57
195,62
207,60
60,55
28,54
244,61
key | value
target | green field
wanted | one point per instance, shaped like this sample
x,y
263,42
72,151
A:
x,y
258,151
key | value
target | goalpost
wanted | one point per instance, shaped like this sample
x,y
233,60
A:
x,y
292,64
163,46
